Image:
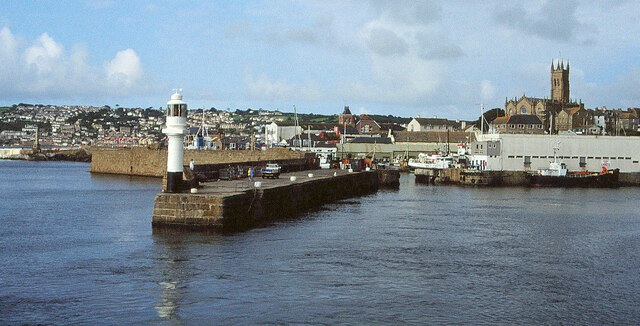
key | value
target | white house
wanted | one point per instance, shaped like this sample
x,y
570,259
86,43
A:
x,y
434,124
276,132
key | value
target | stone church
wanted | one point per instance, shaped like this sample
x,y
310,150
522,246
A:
x,y
547,109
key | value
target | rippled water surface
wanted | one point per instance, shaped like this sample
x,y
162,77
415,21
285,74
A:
x,y
78,248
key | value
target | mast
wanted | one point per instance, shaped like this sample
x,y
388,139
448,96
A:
x,y
448,142
309,135
482,119
295,115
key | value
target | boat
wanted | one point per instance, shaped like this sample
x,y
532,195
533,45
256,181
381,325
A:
x,y
439,161
435,162
557,175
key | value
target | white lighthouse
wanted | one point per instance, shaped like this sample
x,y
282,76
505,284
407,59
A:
x,y
175,130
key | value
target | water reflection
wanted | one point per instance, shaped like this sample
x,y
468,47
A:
x,y
172,260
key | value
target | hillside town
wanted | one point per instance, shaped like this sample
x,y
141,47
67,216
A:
x,y
75,126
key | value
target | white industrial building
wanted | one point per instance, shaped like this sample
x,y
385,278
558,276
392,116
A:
x,y
519,152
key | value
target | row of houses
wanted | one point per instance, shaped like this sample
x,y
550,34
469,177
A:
x,y
576,120
351,127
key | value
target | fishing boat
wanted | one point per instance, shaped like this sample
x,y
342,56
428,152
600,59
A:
x,y
440,161
435,162
557,175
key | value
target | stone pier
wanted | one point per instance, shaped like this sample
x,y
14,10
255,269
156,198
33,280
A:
x,y
239,205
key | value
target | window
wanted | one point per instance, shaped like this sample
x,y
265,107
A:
x,y
523,110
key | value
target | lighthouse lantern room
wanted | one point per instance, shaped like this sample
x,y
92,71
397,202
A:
x,y
175,131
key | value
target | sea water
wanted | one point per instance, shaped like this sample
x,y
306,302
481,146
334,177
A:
x,y
77,247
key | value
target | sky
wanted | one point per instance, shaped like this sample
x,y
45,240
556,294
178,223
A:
x,y
404,57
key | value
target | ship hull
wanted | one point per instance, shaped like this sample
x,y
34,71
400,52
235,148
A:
x,y
605,180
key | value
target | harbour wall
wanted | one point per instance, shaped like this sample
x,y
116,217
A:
x,y
15,153
253,207
472,178
27,154
143,161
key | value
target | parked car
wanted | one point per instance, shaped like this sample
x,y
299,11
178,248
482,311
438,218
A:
x,y
272,170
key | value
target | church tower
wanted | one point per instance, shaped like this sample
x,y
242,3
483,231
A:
x,y
346,118
560,82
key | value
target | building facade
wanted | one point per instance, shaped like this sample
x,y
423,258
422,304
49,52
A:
x,y
366,125
277,133
434,124
517,124
518,152
547,108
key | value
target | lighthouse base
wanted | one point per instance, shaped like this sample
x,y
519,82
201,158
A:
x,y
174,182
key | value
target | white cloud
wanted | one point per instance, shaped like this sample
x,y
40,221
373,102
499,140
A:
x,y
264,88
407,80
409,11
43,54
487,91
386,42
124,70
553,20
44,69
361,110
8,44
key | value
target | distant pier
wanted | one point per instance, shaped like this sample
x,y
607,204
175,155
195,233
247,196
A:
x,y
236,205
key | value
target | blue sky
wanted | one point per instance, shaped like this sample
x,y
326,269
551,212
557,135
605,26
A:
x,y
400,57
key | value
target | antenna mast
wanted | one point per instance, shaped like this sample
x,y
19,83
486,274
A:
x,y
295,114
481,118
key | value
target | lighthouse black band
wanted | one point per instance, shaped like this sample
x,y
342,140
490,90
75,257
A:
x,y
174,181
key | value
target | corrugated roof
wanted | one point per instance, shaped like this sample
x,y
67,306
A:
x,y
525,119
285,123
392,126
430,136
371,140
500,120
436,122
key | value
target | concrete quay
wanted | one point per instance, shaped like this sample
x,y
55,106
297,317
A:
x,y
237,205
